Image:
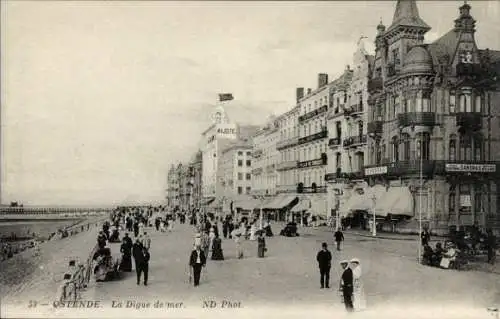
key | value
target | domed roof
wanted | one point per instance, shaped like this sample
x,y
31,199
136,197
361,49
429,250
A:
x,y
418,60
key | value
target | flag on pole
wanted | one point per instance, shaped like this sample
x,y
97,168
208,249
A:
x,y
225,97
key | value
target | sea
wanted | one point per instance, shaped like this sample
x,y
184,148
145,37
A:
x,y
41,228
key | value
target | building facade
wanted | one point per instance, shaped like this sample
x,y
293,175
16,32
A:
x,y
236,170
179,186
288,148
265,159
433,126
347,121
172,187
196,167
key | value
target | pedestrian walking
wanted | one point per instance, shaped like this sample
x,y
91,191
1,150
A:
x,y
217,253
346,285
261,244
425,237
491,245
146,241
239,249
324,258
136,228
358,295
197,261
205,243
339,238
142,265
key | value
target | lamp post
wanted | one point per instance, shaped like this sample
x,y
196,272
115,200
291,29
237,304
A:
x,y
419,150
374,223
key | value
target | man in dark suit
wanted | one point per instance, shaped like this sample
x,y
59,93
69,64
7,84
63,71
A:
x,y
346,285
142,265
324,258
197,261
339,237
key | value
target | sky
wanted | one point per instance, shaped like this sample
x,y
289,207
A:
x,y
100,98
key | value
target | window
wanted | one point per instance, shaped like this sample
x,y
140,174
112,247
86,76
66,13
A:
x,y
465,147
240,190
378,151
478,148
240,176
249,153
240,163
477,200
465,103
249,163
249,176
360,128
452,199
338,160
406,147
395,149
423,146
248,189
453,102
453,148
478,104
240,153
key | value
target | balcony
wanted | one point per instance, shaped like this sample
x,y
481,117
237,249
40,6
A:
x,y
354,110
416,119
354,141
468,69
311,189
287,143
257,153
270,168
257,171
375,127
375,84
411,167
334,142
313,137
286,188
469,120
286,165
313,113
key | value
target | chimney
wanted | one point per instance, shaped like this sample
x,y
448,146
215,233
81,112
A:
x,y
322,80
309,91
299,93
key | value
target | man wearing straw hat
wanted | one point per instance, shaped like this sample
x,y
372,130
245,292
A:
x,y
346,285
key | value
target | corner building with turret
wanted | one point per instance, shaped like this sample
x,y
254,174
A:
x,y
433,127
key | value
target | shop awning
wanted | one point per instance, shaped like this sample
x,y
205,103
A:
x,y
318,205
303,204
397,201
247,203
368,200
280,201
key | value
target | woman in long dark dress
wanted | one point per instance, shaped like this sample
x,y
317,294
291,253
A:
x,y
126,250
217,253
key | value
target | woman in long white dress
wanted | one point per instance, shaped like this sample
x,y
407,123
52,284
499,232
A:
x,y
253,229
211,237
358,296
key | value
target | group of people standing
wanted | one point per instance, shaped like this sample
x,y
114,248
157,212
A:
x,y
350,286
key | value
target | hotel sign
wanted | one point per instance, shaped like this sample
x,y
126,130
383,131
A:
x,y
379,170
471,168
316,162
229,131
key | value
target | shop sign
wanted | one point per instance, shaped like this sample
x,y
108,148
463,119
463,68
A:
x,y
376,170
316,162
471,168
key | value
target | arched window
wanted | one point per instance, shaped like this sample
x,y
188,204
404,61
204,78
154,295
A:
x,y
426,102
423,145
405,138
452,148
465,147
395,149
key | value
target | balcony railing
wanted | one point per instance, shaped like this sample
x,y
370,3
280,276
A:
x,y
313,113
286,188
286,165
375,127
416,118
334,142
354,109
469,120
257,171
468,69
375,84
287,143
355,141
313,137
317,189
